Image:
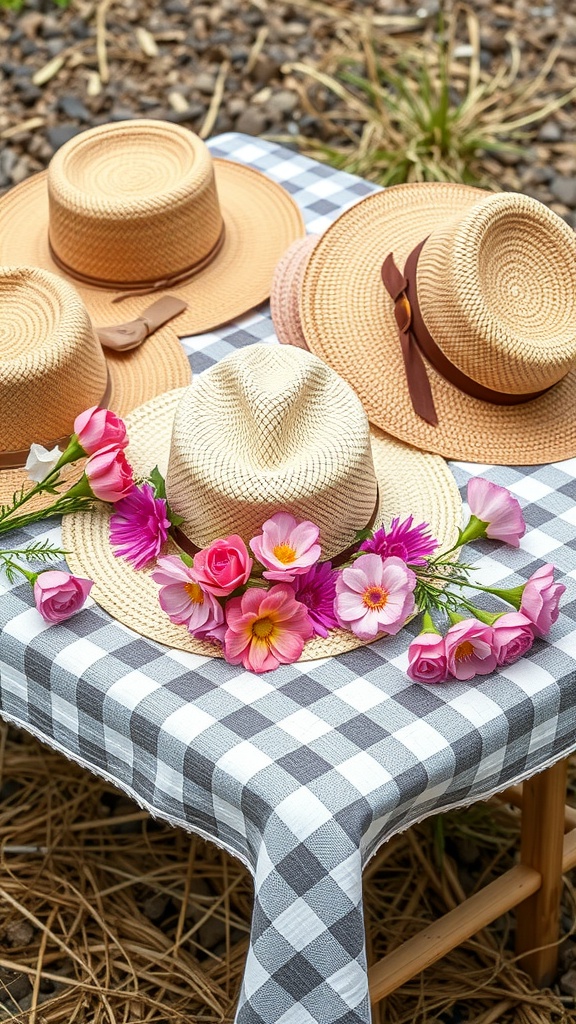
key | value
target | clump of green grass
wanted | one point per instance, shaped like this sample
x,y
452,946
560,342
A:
x,y
428,111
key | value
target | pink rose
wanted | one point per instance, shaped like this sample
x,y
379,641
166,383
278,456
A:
x,y
109,474
223,566
513,636
427,659
496,511
97,428
541,599
470,649
58,595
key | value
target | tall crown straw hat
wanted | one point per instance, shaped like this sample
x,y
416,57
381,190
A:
x,y
53,367
266,429
140,207
451,312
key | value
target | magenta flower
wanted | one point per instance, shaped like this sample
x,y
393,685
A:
x,y
97,428
265,628
287,547
374,595
541,599
185,602
139,526
413,544
513,637
223,566
495,513
316,589
470,649
58,595
427,655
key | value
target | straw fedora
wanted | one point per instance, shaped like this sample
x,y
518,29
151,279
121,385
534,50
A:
x,y
53,366
132,207
265,429
485,312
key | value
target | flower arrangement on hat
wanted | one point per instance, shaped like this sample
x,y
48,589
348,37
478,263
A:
x,y
263,600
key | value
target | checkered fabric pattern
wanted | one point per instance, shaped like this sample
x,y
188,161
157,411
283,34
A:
x,y
302,773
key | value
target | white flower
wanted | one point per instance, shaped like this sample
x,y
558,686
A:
x,y
41,462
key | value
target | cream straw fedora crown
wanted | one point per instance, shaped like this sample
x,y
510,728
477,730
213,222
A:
x,y
268,429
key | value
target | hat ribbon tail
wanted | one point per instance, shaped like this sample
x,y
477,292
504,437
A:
x,y
416,377
123,337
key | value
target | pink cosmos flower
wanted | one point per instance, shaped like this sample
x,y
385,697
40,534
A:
x,y
139,526
496,509
287,546
185,602
58,595
223,566
513,636
427,659
317,589
266,628
97,428
413,544
541,599
109,474
470,649
374,595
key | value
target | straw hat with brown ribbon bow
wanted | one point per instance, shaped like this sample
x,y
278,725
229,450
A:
x,y
451,312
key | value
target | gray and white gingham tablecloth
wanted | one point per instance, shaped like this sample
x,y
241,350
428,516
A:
x,y
304,772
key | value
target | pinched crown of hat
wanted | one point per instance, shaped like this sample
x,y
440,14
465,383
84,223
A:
x,y
51,363
268,429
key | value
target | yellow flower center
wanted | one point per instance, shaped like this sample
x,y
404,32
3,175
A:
x,y
375,598
262,628
194,592
464,650
284,553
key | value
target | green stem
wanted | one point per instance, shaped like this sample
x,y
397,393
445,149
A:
x,y
72,452
30,576
59,508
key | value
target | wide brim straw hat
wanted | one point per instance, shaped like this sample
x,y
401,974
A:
x,y
496,288
52,367
140,207
260,454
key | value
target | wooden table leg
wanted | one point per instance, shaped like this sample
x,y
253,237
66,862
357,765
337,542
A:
x,y
541,847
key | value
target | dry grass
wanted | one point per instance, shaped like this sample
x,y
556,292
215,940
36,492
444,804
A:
x,y
80,865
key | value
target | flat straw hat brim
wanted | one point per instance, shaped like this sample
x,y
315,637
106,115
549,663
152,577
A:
x,y
410,482
347,320
261,220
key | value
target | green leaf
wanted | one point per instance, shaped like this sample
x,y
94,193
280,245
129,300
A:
x,y
159,484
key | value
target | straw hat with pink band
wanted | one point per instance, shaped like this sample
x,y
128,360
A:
x,y
53,365
138,208
452,313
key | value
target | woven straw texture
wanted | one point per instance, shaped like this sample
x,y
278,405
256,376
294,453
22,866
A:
x,y
497,289
140,216
285,293
409,482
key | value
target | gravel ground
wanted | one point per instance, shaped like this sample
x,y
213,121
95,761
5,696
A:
x,y
223,66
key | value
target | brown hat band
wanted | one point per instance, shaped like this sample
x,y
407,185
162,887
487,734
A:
x,y
141,287
16,460
416,341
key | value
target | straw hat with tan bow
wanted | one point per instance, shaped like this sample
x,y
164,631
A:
x,y
53,365
451,312
266,429
130,208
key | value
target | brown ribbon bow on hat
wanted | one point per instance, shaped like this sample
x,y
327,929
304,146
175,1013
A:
x,y
123,337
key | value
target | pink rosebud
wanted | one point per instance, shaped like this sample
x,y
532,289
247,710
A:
x,y
287,546
98,428
187,603
541,599
513,636
374,595
58,595
223,566
266,628
109,474
427,659
497,511
470,649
